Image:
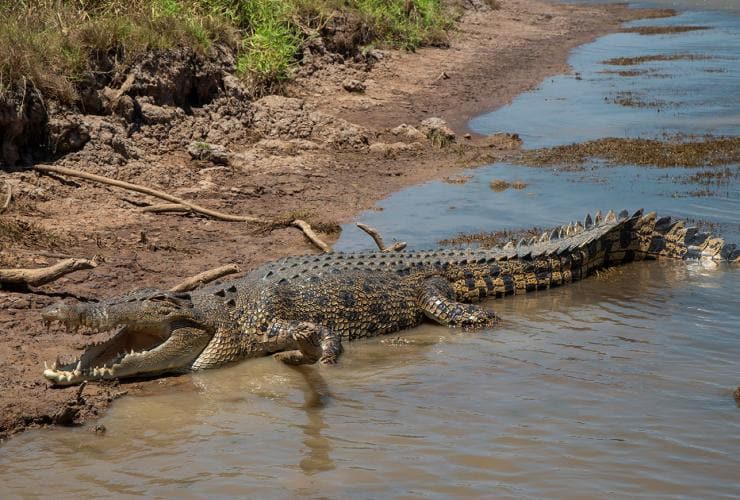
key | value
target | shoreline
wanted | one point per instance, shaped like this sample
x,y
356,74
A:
x,y
493,57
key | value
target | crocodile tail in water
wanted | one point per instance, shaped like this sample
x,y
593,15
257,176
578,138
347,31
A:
x,y
598,241
612,239
651,237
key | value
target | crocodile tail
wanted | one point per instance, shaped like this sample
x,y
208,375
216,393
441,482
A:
x,y
647,236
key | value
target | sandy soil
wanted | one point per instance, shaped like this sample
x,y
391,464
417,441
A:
x,y
324,153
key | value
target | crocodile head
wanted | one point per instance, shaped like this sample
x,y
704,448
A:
x,y
143,343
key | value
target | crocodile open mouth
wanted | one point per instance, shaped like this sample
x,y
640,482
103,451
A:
x,y
104,360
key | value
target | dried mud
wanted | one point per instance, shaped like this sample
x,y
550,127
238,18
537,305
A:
x,y
320,151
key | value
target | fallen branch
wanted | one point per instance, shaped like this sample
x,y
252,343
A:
x,y
9,197
306,228
397,246
204,277
43,275
146,190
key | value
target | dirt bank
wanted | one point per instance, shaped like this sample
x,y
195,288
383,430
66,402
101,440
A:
x,y
328,149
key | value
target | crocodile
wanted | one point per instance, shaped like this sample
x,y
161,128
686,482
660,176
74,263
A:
x,y
299,309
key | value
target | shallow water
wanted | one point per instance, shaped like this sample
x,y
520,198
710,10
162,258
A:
x,y
618,385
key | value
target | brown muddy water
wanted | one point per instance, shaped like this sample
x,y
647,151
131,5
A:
x,y
619,385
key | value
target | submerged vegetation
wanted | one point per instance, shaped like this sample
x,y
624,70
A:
x,y
50,46
632,61
663,30
675,152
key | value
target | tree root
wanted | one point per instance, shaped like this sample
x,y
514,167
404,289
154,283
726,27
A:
x,y
44,275
204,277
397,246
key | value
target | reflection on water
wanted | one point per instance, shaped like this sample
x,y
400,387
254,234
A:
x,y
316,394
620,384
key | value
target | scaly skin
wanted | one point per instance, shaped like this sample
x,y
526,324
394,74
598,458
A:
x,y
301,308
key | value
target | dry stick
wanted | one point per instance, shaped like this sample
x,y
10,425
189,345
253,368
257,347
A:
x,y
306,228
43,275
8,198
399,245
177,201
146,190
166,207
204,277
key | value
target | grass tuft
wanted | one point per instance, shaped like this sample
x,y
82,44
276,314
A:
x,y
54,45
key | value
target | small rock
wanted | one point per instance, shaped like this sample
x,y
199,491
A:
x,y
468,136
408,131
152,114
213,153
437,131
352,85
99,429
389,149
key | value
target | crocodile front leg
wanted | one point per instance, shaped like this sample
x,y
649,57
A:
x,y
437,300
302,336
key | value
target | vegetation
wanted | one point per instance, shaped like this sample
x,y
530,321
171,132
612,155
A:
x,y
51,46
678,151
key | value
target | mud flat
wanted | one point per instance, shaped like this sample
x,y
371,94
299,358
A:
x,y
347,132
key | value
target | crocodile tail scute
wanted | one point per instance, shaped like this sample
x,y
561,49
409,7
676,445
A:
x,y
651,237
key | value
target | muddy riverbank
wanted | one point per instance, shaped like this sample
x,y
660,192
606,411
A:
x,y
329,148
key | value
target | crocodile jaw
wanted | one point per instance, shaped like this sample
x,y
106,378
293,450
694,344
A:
x,y
108,359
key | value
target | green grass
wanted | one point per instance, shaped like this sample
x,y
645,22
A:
x,y
52,45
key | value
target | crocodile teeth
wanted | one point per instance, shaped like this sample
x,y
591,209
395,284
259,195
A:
x,y
611,217
598,218
545,236
623,214
555,234
57,363
577,227
588,221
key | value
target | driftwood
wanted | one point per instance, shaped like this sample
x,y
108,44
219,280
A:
x,y
306,228
397,246
8,197
146,190
204,277
43,275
